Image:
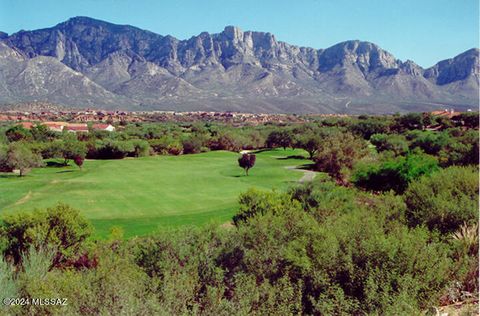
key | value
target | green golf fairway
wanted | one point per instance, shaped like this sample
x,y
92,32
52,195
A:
x,y
145,194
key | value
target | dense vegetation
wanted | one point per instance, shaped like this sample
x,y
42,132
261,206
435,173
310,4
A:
x,y
392,231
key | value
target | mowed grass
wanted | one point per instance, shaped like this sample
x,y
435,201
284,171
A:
x,y
146,194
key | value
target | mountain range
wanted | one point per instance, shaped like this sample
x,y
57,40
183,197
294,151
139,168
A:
x,y
85,62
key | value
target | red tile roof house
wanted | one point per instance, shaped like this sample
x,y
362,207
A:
x,y
55,126
75,128
104,127
27,125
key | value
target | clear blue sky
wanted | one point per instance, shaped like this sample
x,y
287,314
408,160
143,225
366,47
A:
x,y
425,31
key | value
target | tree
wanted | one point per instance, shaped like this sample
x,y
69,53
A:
x,y
20,156
410,121
370,126
338,154
310,142
247,161
110,149
4,166
396,143
41,133
72,149
281,138
18,133
468,119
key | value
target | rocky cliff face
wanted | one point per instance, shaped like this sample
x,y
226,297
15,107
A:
x,y
231,70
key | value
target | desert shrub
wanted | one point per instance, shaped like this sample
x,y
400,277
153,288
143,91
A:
x,y
141,148
461,150
9,286
410,121
370,126
225,141
375,270
363,261
395,143
255,202
182,263
192,144
110,149
444,200
393,174
116,286
431,142
323,198
60,227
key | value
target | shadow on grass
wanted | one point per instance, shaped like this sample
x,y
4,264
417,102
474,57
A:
x,y
307,166
9,175
64,171
292,157
55,164
258,151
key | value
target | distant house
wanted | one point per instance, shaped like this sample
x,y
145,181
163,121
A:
x,y
26,125
103,127
55,126
445,113
75,128
69,127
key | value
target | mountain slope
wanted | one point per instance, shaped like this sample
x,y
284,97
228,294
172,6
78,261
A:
x,y
123,66
45,78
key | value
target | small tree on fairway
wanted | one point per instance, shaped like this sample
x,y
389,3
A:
x,y
79,161
247,161
72,149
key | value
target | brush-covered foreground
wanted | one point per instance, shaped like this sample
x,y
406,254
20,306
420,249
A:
x,y
144,194
316,249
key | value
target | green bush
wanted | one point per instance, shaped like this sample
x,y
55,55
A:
x,y
395,173
60,228
323,198
254,202
444,200
395,143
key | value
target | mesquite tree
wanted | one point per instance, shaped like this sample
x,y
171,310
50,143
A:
x,y
247,161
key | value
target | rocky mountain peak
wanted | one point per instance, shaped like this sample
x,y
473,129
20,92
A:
x,y
233,69
411,68
458,68
233,33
